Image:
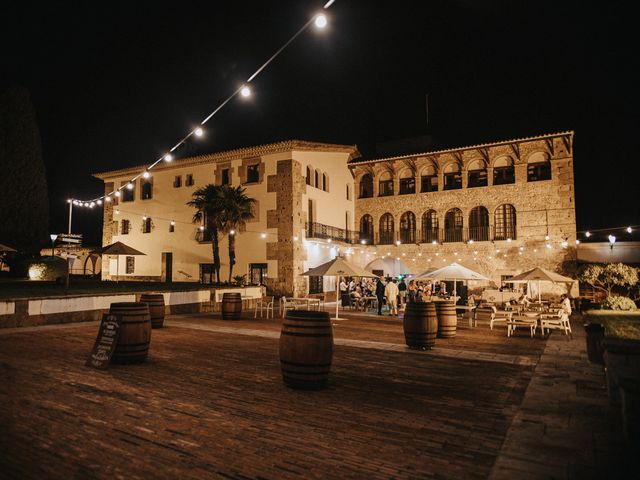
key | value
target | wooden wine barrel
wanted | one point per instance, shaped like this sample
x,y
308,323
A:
x,y
447,320
306,349
135,332
231,306
420,325
155,301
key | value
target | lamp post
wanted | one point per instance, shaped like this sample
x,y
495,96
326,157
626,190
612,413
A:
x,y
612,241
53,238
70,202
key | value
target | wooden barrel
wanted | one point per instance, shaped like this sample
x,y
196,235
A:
x,y
447,320
231,306
420,324
135,332
306,349
155,301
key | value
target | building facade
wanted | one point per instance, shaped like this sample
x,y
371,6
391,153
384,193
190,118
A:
x,y
497,208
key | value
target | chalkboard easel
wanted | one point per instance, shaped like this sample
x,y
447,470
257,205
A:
x,y
105,343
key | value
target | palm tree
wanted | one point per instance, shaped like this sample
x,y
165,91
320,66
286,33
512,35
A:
x,y
237,209
206,201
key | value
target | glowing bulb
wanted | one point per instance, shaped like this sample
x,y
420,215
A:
x,y
232,232
107,199
263,235
75,202
509,239
245,92
612,239
564,244
397,242
295,238
363,242
629,230
434,242
68,200
546,237
117,194
587,234
129,186
198,132
99,202
321,21
117,211
471,240
168,157
397,258
92,204
548,245
577,242
419,254
144,217
173,223
145,174
329,240
201,228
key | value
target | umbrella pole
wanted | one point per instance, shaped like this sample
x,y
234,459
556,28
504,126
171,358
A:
x,y
337,294
539,299
117,268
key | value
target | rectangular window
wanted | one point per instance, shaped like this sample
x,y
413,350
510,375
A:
x,y
258,273
131,265
189,180
253,173
407,185
128,194
177,181
315,284
225,176
124,229
146,189
206,273
477,178
386,188
429,183
146,225
348,192
538,171
452,181
503,175
172,227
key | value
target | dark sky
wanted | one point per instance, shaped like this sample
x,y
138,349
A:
x,y
115,83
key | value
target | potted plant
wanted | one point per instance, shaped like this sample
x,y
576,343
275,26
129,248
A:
x,y
240,280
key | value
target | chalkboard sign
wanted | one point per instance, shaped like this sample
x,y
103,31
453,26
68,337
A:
x,y
105,342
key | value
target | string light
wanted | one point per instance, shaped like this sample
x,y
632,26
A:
x,y
321,21
232,232
168,158
263,235
117,194
146,174
198,132
107,199
129,186
587,234
546,237
245,91
629,229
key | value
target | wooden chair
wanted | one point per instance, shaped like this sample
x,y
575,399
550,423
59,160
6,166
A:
x,y
264,303
556,321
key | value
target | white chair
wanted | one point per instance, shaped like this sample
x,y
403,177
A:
x,y
522,321
264,303
556,321
290,304
499,317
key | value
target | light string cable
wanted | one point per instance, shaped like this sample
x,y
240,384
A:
x,y
320,21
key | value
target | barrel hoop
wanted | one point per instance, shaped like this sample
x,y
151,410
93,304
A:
x,y
296,334
137,322
290,325
297,364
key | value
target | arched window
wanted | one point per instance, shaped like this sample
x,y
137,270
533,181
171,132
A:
x,y
429,179
452,177
503,171
538,167
366,186
308,179
325,182
386,229
477,174
429,226
385,185
317,179
453,225
408,227
366,229
407,182
505,222
479,224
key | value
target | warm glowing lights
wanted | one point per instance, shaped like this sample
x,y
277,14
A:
x,y
546,237
363,242
398,242
201,228
198,132
434,242
168,158
629,230
117,194
92,204
107,199
548,245
117,211
587,234
328,240
321,21
146,174
99,202
232,232
577,242
564,244
129,186
263,235
245,91
509,239
173,223
612,239
295,238
68,200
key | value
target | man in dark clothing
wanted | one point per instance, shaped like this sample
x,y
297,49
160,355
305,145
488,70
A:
x,y
380,295
402,292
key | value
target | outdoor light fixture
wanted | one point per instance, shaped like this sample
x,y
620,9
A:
x,y
433,242
92,204
509,239
587,234
144,217
69,201
54,236
99,202
612,241
168,157
546,237
201,228
321,21
198,132
548,245
263,235
232,232
107,198
397,242
577,242
173,223
145,174
564,244
245,91
117,194
470,241
363,242
295,238
117,211
328,240
129,186
629,230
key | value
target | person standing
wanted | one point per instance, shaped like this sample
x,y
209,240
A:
x,y
566,305
391,292
411,292
402,289
380,295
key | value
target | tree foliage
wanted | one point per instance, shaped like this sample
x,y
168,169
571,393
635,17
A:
x,y
206,201
607,277
24,203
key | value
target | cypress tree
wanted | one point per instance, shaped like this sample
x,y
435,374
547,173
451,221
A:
x,y
24,203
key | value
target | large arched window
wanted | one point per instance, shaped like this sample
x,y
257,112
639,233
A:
x,y
503,171
366,186
453,225
479,224
452,177
308,179
505,222
538,167
316,178
385,185
407,182
325,182
366,229
477,174
429,179
386,229
408,227
430,227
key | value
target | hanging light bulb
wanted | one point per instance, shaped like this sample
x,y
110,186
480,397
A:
x,y
168,158
173,224
398,242
546,237
232,232
117,211
321,21
99,202
144,217
245,91
201,228
117,194
146,174
198,132
129,186
587,234
577,242
107,199
92,204
295,238
68,200
263,235
629,230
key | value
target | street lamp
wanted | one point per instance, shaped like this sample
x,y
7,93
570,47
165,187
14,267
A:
x,y
612,241
53,238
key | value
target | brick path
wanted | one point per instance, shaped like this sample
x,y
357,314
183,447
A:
x,y
210,403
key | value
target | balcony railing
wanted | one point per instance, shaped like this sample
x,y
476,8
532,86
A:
x,y
430,235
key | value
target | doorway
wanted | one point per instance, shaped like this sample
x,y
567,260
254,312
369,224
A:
x,y
167,267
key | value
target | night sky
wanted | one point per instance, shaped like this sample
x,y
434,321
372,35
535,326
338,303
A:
x,y
116,84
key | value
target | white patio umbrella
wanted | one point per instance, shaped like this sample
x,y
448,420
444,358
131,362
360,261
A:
x,y
338,267
541,275
453,272
118,249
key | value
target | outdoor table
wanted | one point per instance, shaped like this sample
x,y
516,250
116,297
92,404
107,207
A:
x,y
527,319
368,302
469,311
310,301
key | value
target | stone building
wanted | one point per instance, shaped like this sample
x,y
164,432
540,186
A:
x,y
498,208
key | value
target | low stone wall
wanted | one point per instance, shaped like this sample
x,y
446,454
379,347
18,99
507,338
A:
x,y
30,312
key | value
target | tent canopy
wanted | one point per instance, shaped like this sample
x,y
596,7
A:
x,y
390,266
454,271
338,267
540,274
120,248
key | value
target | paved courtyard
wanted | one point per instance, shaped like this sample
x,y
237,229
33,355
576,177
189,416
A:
x,y
210,403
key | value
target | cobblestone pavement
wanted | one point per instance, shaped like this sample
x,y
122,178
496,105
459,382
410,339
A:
x,y
210,403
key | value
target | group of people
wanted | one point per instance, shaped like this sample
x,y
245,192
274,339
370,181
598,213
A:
x,y
391,292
